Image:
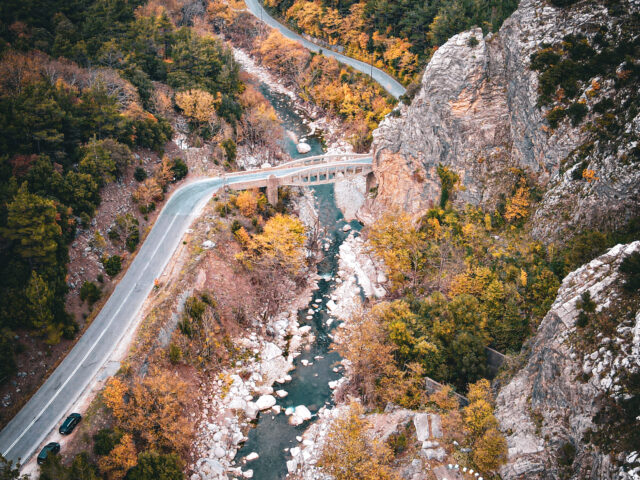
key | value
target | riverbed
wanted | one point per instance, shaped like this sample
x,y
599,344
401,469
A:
x,y
273,435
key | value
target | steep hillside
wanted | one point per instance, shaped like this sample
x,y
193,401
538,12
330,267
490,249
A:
x,y
566,120
572,411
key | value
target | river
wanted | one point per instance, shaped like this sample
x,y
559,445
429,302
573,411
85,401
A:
x,y
273,435
385,80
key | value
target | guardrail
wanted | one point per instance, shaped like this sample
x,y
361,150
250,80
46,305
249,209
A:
x,y
310,161
318,159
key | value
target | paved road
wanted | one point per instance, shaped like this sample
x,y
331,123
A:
x,y
46,409
387,82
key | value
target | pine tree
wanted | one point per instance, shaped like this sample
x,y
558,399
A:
x,y
32,226
39,300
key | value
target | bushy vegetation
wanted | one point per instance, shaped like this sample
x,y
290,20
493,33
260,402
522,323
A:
x,y
630,267
463,280
90,293
351,454
112,265
397,36
597,79
68,128
352,450
358,101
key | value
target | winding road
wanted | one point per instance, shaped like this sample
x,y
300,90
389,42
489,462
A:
x,y
385,80
120,314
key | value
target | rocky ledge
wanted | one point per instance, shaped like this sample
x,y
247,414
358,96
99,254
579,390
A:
x,y
476,113
551,403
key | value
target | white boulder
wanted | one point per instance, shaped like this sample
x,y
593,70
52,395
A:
x,y
265,402
303,147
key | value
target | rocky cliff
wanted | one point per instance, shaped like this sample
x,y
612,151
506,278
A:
x,y
564,412
477,112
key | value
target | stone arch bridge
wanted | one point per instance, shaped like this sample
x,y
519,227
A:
x,y
304,172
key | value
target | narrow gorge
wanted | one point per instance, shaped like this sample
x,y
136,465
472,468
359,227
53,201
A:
x,y
315,240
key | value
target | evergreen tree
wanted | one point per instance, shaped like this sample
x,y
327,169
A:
x,y
154,466
39,301
32,226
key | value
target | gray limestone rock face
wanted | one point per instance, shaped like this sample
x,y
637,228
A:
x,y
421,422
477,114
546,405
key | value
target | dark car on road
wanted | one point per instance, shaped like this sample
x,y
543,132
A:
x,y
49,449
70,423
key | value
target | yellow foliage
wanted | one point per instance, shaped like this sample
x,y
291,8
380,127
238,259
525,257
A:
x,y
481,390
155,411
487,222
198,104
490,450
148,192
280,245
478,415
444,399
113,395
123,457
523,278
226,10
243,237
589,175
399,244
286,56
473,282
365,345
351,454
518,205
247,202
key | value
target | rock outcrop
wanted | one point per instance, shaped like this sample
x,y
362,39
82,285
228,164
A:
x,y
549,406
476,113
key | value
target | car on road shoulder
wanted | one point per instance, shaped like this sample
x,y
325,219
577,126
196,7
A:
x,y
49,449
70,423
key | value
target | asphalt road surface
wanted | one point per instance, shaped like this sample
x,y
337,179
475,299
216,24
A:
x,y
51,403
387,82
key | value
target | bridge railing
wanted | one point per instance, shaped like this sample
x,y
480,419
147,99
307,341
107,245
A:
x,y
318,174
318,159
307,161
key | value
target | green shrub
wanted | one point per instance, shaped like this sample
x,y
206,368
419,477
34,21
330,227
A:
x,y
235,226
89,292
133,239
230,150
554,116
195,308
208,298
563,3
576,112
185,326
179,169
104,440
154,466
175,353
583,320
630,266
472,42
566,454
543,59
112,265
7,352
586,304
140,174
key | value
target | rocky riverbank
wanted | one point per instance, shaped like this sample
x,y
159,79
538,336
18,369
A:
x,y
312,116
358,277
241,392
